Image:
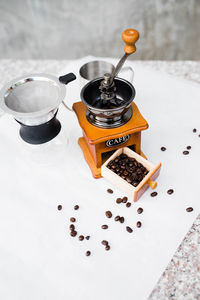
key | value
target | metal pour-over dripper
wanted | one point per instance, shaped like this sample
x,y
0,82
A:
x,y
33,101
108,99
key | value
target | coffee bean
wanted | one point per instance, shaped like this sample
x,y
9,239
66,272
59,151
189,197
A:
x,y
129,229
117,218
140,210
107,247
186,152
189,147
162,148
199,135
59,207
72,220
81,237
121,220
135,183
73,233
87,237
170,191
108,214
109,191
189,209
118,200
153,194
87,253
194,130
76,207
104,242
124,199
128,204
104,226
138,224
71,227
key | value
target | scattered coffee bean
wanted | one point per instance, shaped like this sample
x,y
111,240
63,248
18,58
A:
x,y
104,242
189,209
162,148
118,200
189,147
71,227
170,191
124,199
194,130
186,152
110,191
128,204
81,237
121,220
107,247
108,214
87,237
104,226
140,210
117,218
199,135
138,224
129,229
72,220
73,233
87,253
59,207
76,207
154,194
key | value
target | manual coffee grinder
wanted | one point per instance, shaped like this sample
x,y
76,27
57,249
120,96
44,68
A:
x,y
107,114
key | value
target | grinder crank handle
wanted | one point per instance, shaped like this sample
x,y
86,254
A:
x,y
130,37
65,79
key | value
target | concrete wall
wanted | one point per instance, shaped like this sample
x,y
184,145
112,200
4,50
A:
x,y
63,29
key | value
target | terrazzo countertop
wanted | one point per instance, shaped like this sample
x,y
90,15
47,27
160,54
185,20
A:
x,y
181,278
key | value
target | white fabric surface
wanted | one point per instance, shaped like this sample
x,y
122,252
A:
x,y
38,258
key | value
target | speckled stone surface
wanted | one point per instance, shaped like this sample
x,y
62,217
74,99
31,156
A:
x,y
181,278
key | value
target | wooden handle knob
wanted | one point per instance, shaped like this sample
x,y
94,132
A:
x,y
130,37
152,184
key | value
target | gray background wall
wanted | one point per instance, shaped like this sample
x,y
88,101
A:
x,y
62,29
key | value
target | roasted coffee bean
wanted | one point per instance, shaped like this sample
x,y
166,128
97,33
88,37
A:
x,y
121,219
71,227
81,237
104,242
194,130
76,207
124,199
128,179
162,148
189,147
108,214
107,247
138,224
199,135
153,194
118,200
104,226
128,204
73,233
170,191
140,210
110,191
87,237
186,152
189,209
117,218
135,183
87,253
129,229
59,207
72,220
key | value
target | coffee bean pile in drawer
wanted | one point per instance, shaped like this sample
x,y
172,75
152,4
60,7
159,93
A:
x,y
128,168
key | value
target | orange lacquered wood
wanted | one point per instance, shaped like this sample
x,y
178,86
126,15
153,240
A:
x,y
130,37
97,135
